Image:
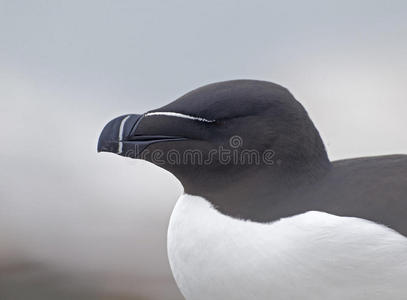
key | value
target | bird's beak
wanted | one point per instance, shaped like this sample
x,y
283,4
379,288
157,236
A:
x,y
114,135
120,136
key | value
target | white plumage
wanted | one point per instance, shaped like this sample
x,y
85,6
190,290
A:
x,y
312,256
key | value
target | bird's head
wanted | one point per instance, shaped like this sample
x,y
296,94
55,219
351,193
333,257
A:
x,y
222,134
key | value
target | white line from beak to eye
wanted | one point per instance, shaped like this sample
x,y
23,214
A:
x,y
120,150
178,115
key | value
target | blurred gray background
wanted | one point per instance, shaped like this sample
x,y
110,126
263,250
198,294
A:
x,y
75,224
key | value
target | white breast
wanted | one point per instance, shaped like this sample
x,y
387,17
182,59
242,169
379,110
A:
x,y
314,255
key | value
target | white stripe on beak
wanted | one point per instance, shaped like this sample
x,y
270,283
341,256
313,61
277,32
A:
x,y
120,150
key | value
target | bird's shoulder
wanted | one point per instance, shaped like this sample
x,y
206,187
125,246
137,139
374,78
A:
x,y
372,188
387,169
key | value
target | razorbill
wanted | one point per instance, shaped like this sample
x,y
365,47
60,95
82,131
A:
x,y
265,214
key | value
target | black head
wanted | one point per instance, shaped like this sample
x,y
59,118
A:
x,y
239,132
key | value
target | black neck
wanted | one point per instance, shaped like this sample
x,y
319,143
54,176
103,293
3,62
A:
x,y
264,194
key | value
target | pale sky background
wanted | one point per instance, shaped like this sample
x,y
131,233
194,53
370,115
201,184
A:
x,y
76,223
